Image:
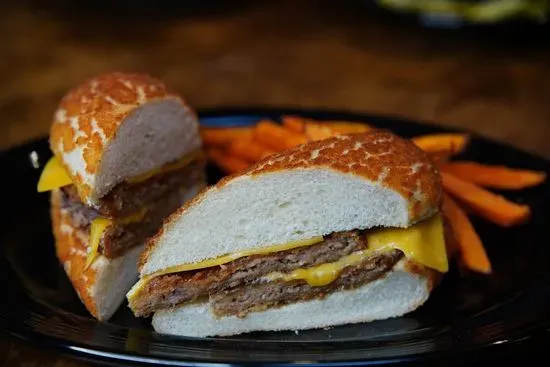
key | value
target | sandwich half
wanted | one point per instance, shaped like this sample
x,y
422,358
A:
x,y
126,154
340,231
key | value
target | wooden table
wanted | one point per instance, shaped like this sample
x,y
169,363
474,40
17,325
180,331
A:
x,y
311,54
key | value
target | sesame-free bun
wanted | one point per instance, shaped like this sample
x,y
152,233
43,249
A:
x,y
117,126
356,181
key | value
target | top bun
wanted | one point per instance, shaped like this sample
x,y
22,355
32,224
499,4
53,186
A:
x,y
356,181
119,125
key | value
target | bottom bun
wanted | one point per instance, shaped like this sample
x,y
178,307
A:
x,y
101,287
401,291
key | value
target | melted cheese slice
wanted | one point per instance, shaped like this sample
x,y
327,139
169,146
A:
x,y
100,224
423,243
324,274
53,176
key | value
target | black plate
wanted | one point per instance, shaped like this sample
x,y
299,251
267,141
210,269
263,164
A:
x,y
465,314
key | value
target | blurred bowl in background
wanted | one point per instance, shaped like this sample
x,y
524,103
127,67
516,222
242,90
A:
x,y
459,13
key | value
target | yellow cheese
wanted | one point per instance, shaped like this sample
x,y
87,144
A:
x,y
423,243
132,218
100,224
53,176
186,160
324,274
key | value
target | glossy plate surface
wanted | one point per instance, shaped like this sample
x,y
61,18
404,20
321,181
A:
x,y
466,313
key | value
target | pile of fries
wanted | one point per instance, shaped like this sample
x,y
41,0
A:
x,y
466,183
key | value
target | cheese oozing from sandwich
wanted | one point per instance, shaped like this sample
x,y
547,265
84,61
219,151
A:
x,y
100,225
53,176
423,243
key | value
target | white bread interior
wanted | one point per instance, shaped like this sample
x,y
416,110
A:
x,y
103,286
394,295
153,134
113,278
254,211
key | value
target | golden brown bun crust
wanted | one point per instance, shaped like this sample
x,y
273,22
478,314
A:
x,y
71,253
377,156
89,115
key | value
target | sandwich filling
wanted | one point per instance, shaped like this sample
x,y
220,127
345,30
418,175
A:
x,y
339,261
132,211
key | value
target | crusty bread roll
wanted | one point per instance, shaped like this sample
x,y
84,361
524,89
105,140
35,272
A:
x,y
224,264
127,152
401,291
103,131
102,286
343,183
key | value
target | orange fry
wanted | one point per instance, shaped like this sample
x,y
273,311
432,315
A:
x,y
277,137
249,150
497,176
346,127
221,136
484,203
294,123
315,131
442,143
470,247
228,163
322,129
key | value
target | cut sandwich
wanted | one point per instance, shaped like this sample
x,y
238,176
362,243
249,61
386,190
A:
x,y
126,154
339,231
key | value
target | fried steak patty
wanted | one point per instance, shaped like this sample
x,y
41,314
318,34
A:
x,y
155,199
263,295
127,198
120,236
238,287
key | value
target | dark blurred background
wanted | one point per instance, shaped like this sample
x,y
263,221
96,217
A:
x,y
483,69
491,77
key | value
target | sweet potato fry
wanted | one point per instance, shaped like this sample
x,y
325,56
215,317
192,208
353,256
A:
x,y
277,137
228,163
484,203
315,131
494,176
221,136
249,150
295,124
470,247
346,127
321,129
442,143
